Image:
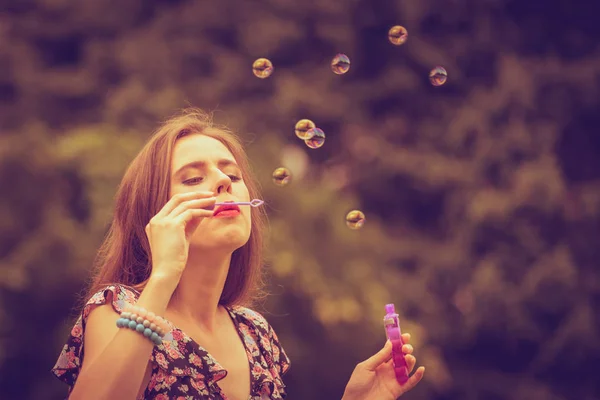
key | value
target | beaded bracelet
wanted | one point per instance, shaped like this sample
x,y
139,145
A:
x,y
145,322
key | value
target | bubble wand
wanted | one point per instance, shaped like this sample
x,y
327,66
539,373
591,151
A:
x,y
391,322
252,203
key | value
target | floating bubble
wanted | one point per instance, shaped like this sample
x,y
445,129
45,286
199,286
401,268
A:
x,y
355,219
316,138
438,76
262,68
340,64
281,176
303,128
397,35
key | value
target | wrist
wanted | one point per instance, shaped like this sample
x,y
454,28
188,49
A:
x,y
345,396
164,281
160,288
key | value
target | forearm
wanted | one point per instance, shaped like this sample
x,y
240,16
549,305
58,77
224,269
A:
x,y
118,371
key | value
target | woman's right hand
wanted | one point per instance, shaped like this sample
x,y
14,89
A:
x,y
170,230
375,378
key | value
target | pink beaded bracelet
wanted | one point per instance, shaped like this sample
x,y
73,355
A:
x,y
134,312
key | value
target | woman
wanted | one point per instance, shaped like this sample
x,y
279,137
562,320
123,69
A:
x,y
172,254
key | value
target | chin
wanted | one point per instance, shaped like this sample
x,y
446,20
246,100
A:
x,y
231,240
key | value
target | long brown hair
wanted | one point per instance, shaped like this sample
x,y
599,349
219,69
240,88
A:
x,y
124,255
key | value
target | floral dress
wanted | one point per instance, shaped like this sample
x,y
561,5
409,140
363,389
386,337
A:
x,y
181,368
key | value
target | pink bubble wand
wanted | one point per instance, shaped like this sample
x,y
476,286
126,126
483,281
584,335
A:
x,y
252,203
391,322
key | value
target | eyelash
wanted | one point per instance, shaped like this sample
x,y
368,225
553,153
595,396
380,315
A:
x,y
197,179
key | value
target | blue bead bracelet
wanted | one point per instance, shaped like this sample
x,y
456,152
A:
x,y
141,328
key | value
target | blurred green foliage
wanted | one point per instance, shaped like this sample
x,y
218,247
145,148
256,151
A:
x,y
481,196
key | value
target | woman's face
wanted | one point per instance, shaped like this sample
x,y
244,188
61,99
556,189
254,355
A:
x,y
202,163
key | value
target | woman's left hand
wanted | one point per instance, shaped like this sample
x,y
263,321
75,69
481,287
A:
x,y
374,379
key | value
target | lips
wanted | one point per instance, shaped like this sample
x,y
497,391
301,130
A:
x,y
227,209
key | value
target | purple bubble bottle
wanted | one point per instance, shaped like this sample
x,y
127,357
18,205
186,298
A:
x,y
391,322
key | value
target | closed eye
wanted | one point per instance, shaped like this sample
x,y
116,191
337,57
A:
x,y
193,181
198,179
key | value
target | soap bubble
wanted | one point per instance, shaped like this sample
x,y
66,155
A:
x,y
397,35
262,68
281,176
355,219
303,129
317,138
340,64
438,76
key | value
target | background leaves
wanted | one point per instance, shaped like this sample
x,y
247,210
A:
x,y
481,196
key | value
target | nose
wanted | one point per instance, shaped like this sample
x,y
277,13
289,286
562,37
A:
x,y
223,183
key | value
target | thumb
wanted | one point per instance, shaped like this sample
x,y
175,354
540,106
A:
x,y
379,358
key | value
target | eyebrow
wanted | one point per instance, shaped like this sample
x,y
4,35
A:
x,y
202,164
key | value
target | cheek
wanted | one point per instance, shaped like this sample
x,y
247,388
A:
x,y
243,192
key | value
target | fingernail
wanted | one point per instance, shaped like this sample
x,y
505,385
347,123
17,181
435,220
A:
x,y
209,208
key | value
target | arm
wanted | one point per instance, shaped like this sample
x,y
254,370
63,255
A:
x,y
116,360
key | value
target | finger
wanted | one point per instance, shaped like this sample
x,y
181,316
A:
x,y
179,198
379,358
406,338
407,349
389,364
410,362
413,380
207,204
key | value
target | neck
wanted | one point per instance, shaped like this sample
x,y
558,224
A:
x,y
196,298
